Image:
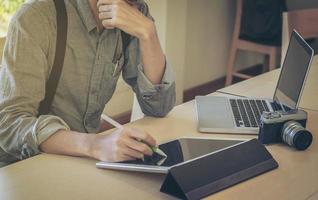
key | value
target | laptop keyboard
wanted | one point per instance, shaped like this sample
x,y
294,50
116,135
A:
x,y
278,107
247,112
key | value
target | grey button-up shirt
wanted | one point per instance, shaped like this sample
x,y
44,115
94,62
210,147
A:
x,y
87,82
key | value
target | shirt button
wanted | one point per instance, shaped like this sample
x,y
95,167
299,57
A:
x,y
147,96
92,119
94,92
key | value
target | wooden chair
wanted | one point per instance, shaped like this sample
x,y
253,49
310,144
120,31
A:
x,y
303,21
272,53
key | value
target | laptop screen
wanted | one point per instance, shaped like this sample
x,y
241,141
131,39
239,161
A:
x,y
294,71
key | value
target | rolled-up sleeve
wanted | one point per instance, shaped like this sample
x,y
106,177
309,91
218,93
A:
x,y
23,76
154,100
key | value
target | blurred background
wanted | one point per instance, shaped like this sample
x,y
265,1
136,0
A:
x,y
196,36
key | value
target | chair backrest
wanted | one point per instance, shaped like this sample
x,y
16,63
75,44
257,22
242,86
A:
x,y
304,21
238,19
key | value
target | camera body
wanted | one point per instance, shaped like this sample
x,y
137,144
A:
x,y
287,127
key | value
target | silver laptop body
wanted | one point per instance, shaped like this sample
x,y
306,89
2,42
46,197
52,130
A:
x,y
241,115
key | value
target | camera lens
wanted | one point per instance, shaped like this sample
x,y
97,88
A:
x,y
295,135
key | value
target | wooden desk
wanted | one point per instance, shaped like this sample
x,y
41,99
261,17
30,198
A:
x,y
64,178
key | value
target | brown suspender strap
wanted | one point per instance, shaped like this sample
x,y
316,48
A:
x,y
52,83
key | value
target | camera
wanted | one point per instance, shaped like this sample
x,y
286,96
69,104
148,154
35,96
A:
x,y
287,127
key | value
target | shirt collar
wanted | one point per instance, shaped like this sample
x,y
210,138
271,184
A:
x,y
86,14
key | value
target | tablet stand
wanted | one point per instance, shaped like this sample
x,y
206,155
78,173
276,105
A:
x,y
217,171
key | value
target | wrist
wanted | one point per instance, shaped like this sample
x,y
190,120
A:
x,y
148,32
90,145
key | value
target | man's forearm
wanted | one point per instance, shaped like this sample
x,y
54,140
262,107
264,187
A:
x,y
121,145
152,55
68,143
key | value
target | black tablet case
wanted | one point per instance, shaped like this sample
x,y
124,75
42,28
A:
x,y
215,172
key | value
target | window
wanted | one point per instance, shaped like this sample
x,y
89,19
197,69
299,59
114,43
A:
x,y
7,9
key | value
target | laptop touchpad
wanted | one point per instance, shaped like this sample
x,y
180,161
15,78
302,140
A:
x,y
214,112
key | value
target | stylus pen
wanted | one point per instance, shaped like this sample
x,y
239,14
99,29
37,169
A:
x,y
119,126
111,121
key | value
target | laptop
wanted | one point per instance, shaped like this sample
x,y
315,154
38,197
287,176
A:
x,y
242,115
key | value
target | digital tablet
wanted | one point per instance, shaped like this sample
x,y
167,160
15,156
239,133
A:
x,y
178,151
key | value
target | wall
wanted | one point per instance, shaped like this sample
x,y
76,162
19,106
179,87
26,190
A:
x,y
209,28
159,11
176,40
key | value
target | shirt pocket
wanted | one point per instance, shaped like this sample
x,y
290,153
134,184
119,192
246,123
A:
x,y
110,78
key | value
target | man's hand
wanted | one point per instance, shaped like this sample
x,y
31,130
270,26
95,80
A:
x,y
122,145
120,14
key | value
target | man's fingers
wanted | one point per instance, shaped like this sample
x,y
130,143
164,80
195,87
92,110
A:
x,y
133,153
108,14
142,136
104,2
108,23
138,146
105,15
105,8
108,2
125,158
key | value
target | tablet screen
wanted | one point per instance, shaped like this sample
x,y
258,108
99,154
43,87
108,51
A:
x,y
185,149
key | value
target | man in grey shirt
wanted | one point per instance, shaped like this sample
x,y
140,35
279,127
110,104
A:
x,y
87,83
